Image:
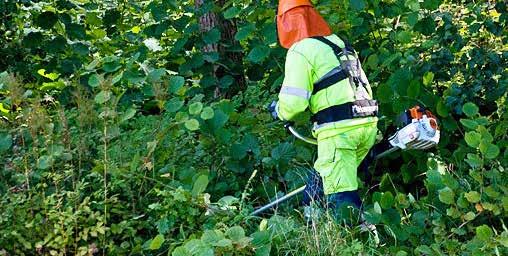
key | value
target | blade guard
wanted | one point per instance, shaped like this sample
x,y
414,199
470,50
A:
x,y
421,133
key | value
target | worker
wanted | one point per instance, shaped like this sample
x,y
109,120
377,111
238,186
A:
x,y
323,74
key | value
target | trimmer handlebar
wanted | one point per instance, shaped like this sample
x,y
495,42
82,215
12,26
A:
x,y
292,130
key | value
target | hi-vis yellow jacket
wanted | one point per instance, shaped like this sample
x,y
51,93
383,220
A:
x,y
306,62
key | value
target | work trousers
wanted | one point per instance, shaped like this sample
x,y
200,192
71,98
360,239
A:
x,y
339,157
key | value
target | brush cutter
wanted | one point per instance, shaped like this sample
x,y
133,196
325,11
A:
x,y
419,131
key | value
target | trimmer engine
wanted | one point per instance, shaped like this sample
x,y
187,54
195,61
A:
x,y
420,130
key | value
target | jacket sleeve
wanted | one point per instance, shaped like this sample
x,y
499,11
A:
x,y
296,88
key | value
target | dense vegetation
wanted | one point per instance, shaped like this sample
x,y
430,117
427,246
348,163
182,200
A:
x,y
132,127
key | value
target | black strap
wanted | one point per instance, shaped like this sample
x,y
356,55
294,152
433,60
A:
x,y
345,111
342,74
336,49
334,113
329,81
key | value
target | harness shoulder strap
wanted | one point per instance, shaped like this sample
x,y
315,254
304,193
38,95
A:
x,y
334,75
336,49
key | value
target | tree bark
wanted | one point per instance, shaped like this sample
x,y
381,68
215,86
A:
x,y
207,22
232,59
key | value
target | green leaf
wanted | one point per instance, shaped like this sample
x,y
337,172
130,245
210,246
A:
x,y
428,78
472,196
372,61
283,152
95,80
207,113
224,243
244,31
414,89
231,12
484,233
102,97
453,212
80,49
173,105
414,5
470,109
260,238
75,31
384,93
164,224
157,242
391,217
489,150
211,57
235,233
258,54
211,236
401,253
117,78
175,83
212,36
44,162
92,19
128,115
46,20
156,75
357,5
195,108
486,136
404,37
32,40
426,26
469,216
387,200
468,123
412,19
474,160
98,33
431,4
200,185
192,124
181,251
52,86
442,109
91,66
424,250
377,208
473,139
226,81
5,141
446,195
111,64
51,76
198,248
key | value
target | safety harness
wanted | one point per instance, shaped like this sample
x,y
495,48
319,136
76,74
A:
x,y
351,69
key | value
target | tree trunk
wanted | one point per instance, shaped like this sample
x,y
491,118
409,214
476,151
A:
x,y
207,22
232,59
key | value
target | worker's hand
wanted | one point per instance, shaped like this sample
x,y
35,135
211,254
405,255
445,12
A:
x,y
272,108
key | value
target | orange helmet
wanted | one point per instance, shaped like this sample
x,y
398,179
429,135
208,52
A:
x,y
296,20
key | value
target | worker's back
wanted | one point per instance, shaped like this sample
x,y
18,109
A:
x,y
307,62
